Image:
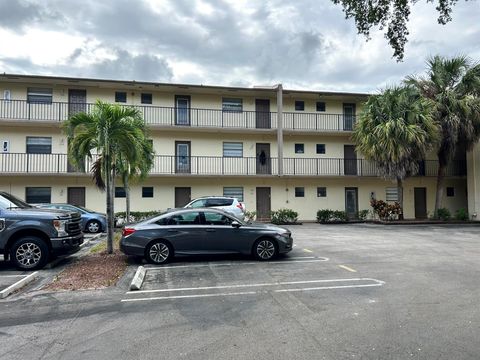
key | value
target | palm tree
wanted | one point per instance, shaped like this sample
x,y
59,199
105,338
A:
x,y
395,130
107,133
129,172
453,85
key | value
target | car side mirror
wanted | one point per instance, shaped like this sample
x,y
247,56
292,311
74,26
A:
x,y
236,224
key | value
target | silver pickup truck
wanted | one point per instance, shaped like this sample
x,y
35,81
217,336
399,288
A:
x,y
29,236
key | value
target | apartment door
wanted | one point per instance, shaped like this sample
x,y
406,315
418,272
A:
x,y
348,116
182,157
351,202
350,160
182,110
183,195
263,203
76,196
264,162
420,200
262,114
77,101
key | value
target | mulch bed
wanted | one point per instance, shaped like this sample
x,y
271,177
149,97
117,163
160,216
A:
x,y
93,271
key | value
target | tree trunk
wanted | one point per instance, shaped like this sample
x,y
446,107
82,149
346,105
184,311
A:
x,y
111,220
440,187
108,184
400,197
127,200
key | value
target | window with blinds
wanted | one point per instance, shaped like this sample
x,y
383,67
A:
x,y
391,194
234,192
39,145
232,105
232,149
39,95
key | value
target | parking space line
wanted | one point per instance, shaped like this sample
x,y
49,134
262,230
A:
x,y
308,250
248,285
13,275
347,268
283,262
376,283
189,296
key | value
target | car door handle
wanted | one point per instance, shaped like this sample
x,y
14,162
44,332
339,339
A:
x,y
210,230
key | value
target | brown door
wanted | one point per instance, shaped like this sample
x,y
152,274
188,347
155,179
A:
x,y
351,202
348,116
420,199
182,157
350,160
262,114
76,196
263,203
264,162
77,101
182,196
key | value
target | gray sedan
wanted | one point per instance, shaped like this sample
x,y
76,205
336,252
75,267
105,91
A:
x,y
202,231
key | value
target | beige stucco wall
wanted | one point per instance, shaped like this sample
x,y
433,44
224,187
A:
x,y
473,181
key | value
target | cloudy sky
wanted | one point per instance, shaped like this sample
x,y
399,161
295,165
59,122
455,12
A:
x,y
304,44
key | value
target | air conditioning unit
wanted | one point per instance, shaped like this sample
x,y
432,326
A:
x,y
7,95
5,146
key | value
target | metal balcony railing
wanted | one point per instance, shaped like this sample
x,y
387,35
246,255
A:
x,y
21,163
182,117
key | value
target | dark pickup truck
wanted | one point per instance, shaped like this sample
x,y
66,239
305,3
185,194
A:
x,y
29,236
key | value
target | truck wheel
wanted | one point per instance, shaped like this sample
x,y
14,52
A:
x,y
29,253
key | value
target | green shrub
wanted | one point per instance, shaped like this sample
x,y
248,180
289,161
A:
x,y
250,215
362,214
385,211
443,214
284,217
327,215
135,216
461,214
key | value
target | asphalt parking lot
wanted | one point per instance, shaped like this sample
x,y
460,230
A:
x,y
345,292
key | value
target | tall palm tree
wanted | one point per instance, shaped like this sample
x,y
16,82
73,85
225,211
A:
x,y
106,133
129,172
453,85
395,130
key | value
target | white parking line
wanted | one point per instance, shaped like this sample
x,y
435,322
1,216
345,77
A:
x,y
189,296
252,285
306,259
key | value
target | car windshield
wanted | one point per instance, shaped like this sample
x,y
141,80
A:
x,y
8,201
84,209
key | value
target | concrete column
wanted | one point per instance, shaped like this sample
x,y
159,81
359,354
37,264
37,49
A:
x,y
473,182
280,128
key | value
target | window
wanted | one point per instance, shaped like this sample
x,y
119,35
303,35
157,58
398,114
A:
x,y
320,148
39,145
198,203
450,191
232,149
299,192
39,95
321,106
212,218
120,192
120,96
145,98
232,105
147,191
38,195
299,148
299,105
234,192
181,219
391,194
321,191
218,202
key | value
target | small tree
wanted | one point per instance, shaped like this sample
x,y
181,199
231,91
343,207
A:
x,y
107,133
395,130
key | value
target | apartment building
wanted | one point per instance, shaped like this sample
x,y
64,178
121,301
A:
x,y
270,147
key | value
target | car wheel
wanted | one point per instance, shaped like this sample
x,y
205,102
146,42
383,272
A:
x,y
93,226
29,253
158,252
264,249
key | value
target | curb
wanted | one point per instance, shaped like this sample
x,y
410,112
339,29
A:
x,y
137,280
19,284
95,237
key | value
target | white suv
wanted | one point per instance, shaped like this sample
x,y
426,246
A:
x,y
228,204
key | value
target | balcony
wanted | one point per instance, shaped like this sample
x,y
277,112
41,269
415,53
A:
x,y
44,164
185,117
